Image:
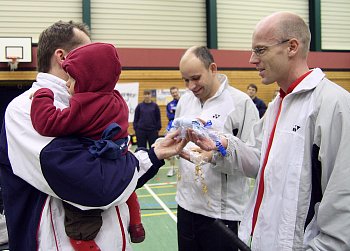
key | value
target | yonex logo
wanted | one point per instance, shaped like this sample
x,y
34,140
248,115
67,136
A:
x,y
296,128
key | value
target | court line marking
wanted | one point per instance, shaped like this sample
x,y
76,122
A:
x,y
156,214
161,203
159,195
161,184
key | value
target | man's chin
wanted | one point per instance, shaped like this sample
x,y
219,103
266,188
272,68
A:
x,y
266,81
197,94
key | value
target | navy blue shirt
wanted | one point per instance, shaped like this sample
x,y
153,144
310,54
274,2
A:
x,y
260,105
147,117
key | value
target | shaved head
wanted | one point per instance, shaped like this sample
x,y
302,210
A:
x,y
287,25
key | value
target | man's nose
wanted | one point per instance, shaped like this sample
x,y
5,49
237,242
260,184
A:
x,y
191,84
254,59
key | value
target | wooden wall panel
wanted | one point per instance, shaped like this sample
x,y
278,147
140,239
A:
x,y
163,79
240,79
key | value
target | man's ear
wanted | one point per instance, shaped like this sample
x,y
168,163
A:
x,y
57,59
59,55
293,47
213,68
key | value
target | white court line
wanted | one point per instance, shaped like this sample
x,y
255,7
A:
x,y
162,184
161,203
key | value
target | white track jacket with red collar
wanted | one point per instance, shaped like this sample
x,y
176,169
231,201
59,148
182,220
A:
x,y
306,199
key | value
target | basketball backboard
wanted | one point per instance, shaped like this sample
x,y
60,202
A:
x,y
16,47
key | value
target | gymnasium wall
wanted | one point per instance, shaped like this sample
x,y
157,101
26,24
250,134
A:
x,y
174,24
16,82
163,79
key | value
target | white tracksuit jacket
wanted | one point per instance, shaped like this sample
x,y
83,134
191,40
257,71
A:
x,y
37,172
306,200
227,189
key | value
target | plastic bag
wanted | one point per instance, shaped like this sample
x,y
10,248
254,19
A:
x,y
202,130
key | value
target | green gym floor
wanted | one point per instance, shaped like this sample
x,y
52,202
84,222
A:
x,y
158,212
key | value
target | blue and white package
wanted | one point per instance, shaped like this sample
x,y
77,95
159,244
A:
x,y
202,130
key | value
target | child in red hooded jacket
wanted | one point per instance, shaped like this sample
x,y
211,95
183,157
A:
x,y
98,112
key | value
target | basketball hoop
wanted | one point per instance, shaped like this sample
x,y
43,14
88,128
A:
x,y
13,63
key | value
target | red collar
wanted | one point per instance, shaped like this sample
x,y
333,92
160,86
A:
x,y
294,84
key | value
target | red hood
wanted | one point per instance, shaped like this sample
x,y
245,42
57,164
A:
x,y
95,67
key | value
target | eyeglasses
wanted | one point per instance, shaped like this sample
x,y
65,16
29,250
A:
x,y
259,51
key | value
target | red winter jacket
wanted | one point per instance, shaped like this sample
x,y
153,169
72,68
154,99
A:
x,y
95,104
